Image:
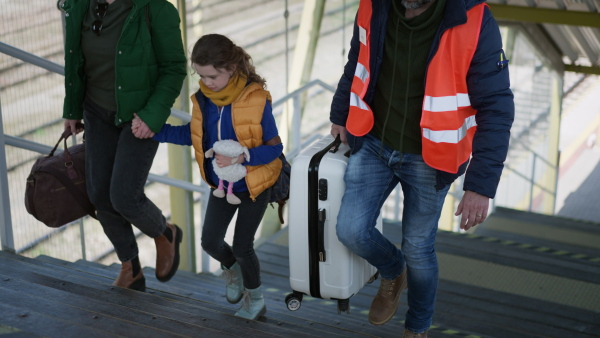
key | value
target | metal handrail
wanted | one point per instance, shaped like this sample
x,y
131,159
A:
x,y
302,89
6,227
527,178
44,149
31,58
185,117
526,147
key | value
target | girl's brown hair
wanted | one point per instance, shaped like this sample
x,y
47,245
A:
x,y
220,52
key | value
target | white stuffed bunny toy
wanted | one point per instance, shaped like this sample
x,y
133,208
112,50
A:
x,y
231,173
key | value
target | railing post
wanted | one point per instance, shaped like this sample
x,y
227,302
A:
x,y
296,121
532,182
204,195
81,227
557,170
6,233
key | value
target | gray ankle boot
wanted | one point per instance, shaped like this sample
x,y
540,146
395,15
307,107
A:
x,y
253,304
234,283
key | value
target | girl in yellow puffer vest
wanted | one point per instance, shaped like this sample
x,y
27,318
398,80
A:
x,y
232,104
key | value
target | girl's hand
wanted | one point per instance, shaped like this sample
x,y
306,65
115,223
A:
x,y
224,161
135,123
140,129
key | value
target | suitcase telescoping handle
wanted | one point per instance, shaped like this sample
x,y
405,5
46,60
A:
x,y
333,148
316,218
335,145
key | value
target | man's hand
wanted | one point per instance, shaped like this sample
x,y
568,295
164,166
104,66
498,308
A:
x,y
337,129
474,209
72,125
140,129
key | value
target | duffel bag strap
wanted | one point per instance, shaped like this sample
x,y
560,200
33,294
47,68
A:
x,y
83,200
69,162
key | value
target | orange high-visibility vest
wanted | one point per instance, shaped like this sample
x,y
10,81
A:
x,y
360,117
448,120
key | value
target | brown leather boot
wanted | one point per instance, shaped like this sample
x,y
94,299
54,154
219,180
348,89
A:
x,y
167,252
386,301
409,334
131,276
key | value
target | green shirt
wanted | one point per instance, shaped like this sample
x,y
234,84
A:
x,y
100,50
398,101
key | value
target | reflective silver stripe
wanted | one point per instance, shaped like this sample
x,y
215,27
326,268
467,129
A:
x,y
450,136
361,72
362,35
446,103
356,101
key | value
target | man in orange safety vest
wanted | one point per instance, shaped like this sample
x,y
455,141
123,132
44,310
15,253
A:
x,y
424,95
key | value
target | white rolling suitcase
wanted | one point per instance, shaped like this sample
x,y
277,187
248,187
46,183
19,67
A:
x,y
320,265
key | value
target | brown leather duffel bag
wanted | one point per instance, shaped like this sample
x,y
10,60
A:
x,y
56,192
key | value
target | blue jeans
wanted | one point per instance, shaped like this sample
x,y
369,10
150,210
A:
x,y
372,173
117,165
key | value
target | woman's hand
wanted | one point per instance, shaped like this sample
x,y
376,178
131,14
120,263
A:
x,y
140,129
72,125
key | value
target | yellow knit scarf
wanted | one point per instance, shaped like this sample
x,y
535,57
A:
x,y
228,94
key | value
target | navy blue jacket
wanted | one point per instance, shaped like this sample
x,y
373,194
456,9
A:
x,y
489,93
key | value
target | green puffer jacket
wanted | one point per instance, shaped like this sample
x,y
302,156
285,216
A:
x,y
150,66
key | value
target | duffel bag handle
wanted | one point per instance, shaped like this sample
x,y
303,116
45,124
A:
x,y
81,199
64,137
67,154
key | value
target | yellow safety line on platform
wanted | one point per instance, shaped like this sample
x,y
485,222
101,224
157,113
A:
x,y
520,282
532,247
564,235
7,330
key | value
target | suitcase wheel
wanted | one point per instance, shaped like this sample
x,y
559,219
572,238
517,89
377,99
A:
x,y
293,301
343,306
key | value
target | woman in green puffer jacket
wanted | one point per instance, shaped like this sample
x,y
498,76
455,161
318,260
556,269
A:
x,y
124,57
